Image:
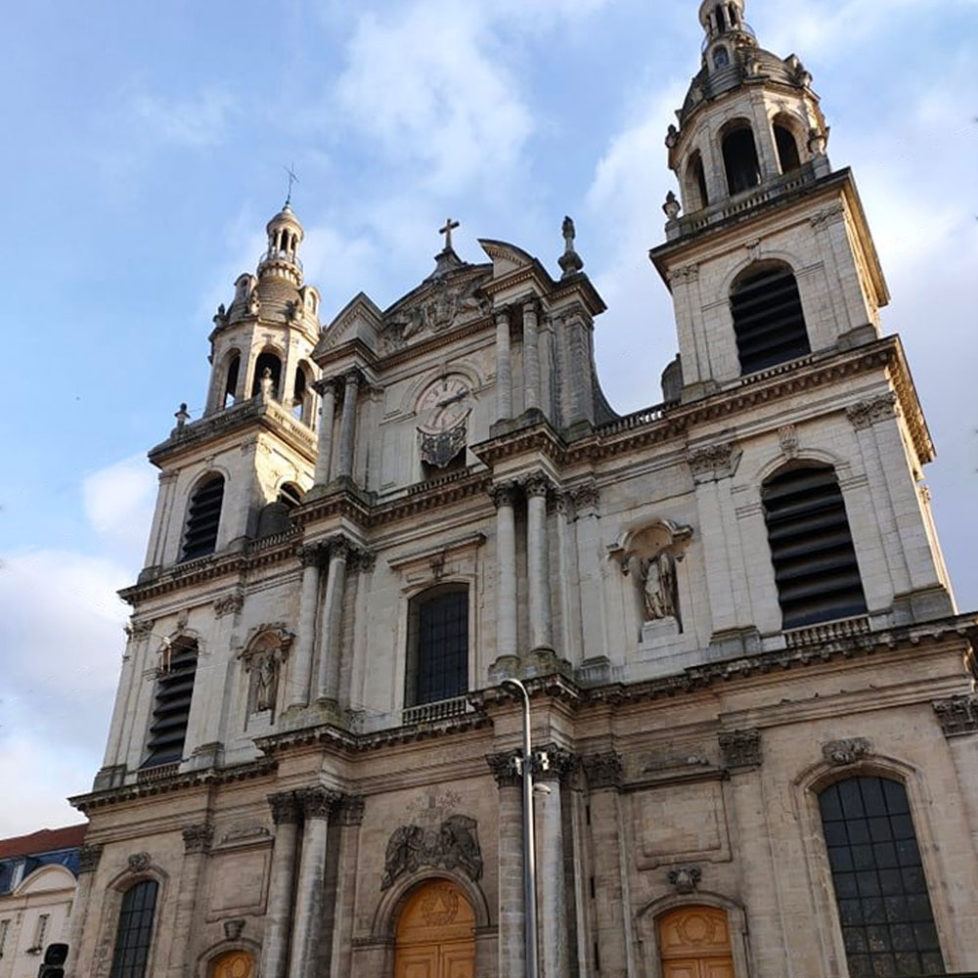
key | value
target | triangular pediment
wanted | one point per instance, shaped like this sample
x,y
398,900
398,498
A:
x,y
361,319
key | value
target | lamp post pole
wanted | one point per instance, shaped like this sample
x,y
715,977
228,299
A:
x,y
529,841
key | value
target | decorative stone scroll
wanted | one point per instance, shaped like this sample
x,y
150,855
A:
x,y
139,861
285,808
349,811
842,753
603,770
198,838
230,604
867,413
713,462
454,846
958,715
685,879
505,768
553,763
317,802
741,748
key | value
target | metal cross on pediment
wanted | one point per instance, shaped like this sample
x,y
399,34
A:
x,y
293,179
450,226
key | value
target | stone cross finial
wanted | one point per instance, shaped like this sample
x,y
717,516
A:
x,y
450,226
570,261
293,179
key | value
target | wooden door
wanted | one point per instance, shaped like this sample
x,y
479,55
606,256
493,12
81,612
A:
x,y
436,934
234,964
694,942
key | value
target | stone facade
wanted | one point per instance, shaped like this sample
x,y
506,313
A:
x,y
459,443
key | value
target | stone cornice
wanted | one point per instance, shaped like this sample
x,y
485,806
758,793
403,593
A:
x,y
539,439
256,412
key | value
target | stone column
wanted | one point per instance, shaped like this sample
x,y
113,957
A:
x,y
538,564
349,816
275,944
551,880
316,805
197,843
570,606
604,783
348,425
506,639
328,680
504,367
531,357
300,671
590,557
545,344
163,516
510,827
327,390
88,860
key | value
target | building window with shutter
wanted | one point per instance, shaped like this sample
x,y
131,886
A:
x,y
171,711
880,888
203,519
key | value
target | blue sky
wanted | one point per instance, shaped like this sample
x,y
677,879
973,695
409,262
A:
x,y
144,153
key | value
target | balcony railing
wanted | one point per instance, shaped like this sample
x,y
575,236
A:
x,y
433,712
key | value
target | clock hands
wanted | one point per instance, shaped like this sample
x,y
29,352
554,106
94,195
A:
x,y
454,399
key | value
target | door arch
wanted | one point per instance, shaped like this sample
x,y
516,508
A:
x,y
233,964
694,942
436,933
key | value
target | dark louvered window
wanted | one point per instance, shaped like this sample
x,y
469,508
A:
x,y
880,888
811,547
203,520
740,159
174,691
768,319
135,931
438,654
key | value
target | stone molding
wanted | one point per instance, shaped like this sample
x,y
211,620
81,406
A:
x,y
687,273
843,753
234,928
865,414
505,768
230,604
958,715
586,497
788,440
285,808
685,879
198,838
349,810
504,494
538,484
317,802
603,770
328,383
713,462
741,748
88,857
139,628
827,216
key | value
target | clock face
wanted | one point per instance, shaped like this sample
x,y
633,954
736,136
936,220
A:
x,y
444,404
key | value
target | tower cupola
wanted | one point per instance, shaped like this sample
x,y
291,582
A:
x,y
284,237
727,33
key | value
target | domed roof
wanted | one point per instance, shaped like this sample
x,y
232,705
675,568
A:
x,y
284,218
749,63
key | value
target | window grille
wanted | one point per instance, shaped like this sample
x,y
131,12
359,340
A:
x,y
135,931
769,323
438,656
880,889
814,560
203,520
41,930
174,691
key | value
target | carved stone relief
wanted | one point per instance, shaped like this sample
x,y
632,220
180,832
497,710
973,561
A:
x,y
711,463
958,715
842,753
685,879
867,413
741,748
453,845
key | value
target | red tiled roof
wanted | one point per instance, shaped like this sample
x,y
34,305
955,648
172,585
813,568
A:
x,y
47,840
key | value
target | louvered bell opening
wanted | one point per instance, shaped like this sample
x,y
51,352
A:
x,y
768,321
815,566
200,538
174,693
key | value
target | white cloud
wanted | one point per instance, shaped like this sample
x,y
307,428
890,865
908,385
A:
x,y
119,506
197,122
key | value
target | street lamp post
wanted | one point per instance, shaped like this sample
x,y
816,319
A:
x,y
529,841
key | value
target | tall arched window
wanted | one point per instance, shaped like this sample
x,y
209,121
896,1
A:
x,y
135,931
203,518
814,560
740,158
768,319
880,888
696,193
788,156
438,646
271,363
231,378
171,711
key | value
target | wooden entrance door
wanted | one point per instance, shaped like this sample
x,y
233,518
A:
x,y
234,964
694,942
436,934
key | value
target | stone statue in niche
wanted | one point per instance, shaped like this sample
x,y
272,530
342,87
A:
x,y
658,575
266,682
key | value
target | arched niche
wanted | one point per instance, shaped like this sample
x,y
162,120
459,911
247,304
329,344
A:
x,y
263,662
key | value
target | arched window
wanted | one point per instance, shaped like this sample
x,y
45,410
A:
x,y
721,17
880,889
231,379
301,396
788,156
721,58
171,711
696,194
740,159
135,931
438,646
769,322
203,519
271,363
274,517
694,942
814,560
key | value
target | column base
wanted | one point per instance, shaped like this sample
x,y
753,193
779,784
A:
x,y
505,667
544,661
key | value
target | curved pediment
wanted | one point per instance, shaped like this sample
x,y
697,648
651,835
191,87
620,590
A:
x,y
505,257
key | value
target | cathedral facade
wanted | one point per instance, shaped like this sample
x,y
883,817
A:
x,y
752,697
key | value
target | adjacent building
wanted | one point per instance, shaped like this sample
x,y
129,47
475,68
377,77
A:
x,y
752,694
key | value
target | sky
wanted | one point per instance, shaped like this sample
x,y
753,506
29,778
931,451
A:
x,y
145,151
